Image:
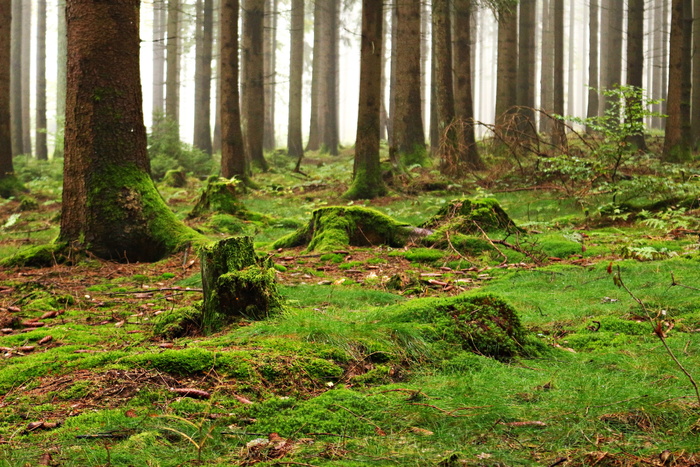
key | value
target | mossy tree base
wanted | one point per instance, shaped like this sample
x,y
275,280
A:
x,y
337,227
39,256
236,283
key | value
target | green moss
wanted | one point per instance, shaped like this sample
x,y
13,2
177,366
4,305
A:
x,y
180,362
178,322
176,178
366,184
471,217
424,255
322,369
379,375
37,256
27,203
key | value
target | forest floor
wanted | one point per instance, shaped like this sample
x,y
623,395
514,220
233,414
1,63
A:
x,y
94,373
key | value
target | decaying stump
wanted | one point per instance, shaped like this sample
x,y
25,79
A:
x,y
237,284
468,216
337,227
219,196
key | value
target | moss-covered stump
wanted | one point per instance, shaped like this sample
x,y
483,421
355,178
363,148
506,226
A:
x,y
176,178
481,323
337,227
220,195
237,284
468,216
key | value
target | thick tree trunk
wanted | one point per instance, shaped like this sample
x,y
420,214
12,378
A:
x,y
16,79
110,204
660,70
233,159
408,132
295,147
42,151
675,148
202,76
6,168
367,177
61,62
506,80
635,66
593,61
270,74
464,104
159,40
253,79
172,75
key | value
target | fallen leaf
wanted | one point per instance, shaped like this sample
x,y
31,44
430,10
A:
x,y
26,348
242,400
191,392
421,431
45,340
45,459
13,309
49,314
130,414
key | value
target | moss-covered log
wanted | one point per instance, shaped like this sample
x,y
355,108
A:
x,y
237,284
337,227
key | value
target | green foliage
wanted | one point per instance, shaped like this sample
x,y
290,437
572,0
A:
x,y
167,152
178,322
424,255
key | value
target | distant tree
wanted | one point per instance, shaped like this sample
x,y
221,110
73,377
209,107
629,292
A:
x,y
367,179
593,55
547,66
42,152
16,79
314,141
446,144
611,46
558,131
110,204
527,66
506,80
676,147
635,64
329,112
295,147
26,76
61,61
159,41
233,157
172,74
464,104
202,75
270,73
408,133
253,92
6,167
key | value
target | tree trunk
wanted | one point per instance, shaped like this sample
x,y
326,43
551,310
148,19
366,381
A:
x,y
6,168
329,135
675,148
216,138
110,204
314,142
233,159
42,152
464,104
686,73
547,74
527,67
159,22
635,67
408,132
172,75
269,73
26,77
61,59
611,66
506,80
253,79
447,144
558,131
367,177
593,62
16,79
660,69
425,58
295,147
202,76
695,105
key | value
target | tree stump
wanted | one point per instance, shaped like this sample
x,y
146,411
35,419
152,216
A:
x,y
237,284
219,196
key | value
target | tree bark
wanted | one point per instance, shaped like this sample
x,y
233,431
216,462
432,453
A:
x,y
61,59
686,73
447,144
367,177
558,131
269,73
16,79
611,43
635,66
593,47
408,131
675,148
172,75
527,67
295,147
233,158
547,73
110,204
329,135
6,166
506,80
158,81
314,142
253,88
42,152
26,77
464,104
695,105
202,76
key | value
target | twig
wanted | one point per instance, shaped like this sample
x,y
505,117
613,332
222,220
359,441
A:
x,y
377,429
677,284
657,329
505,258
450,413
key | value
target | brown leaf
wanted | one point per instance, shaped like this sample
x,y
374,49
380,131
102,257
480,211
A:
x,y
26,348
45,340
49,314
13,309
166,345
242,399
130,414
45,459
421,431
7,330
191,392
34,426
32,324
379,431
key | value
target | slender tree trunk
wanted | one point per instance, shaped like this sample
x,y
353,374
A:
x,y
314,142
464,104
216,139
665,59
659,70
558,132
26,79
202,76
110,204
611,75
695,105
393,40
61,59
675,148
593,61
686,71
42,152
270,76
408,131
329,134
253,88
433,131
367,177
159,22
527,67
384,130
635,65
425,34
6,167
295,147
233,158
571,60
547,73
16,79
506,80
172,75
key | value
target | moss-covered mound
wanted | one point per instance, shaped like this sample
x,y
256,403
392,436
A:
x,y
468,216
481,323
336,227
219,195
